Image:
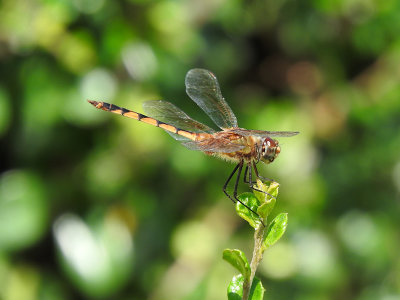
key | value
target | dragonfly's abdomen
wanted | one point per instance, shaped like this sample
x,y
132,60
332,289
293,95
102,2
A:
x,y
142,118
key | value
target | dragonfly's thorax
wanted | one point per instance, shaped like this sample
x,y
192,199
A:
x,y
254,148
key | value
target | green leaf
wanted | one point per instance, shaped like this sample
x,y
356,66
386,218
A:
x,y
238,260
270,187
257,290
273,189
275,230
235,289
262,197
265,209
251,201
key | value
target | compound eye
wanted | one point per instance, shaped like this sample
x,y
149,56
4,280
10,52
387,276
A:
x,y
270,142
270,150
268,145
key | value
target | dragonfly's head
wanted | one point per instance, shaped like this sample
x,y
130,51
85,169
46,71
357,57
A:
x,y
269,150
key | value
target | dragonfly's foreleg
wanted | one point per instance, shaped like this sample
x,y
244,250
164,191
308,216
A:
x,y
251,182
263,179
238,168
248,170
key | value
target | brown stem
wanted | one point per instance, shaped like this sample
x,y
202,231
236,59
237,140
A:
x,y
255,260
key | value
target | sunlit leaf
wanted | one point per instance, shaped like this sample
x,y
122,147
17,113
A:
x,y
257,290
235,289
252,202
271,190
265,209
238,260
262,197
276,230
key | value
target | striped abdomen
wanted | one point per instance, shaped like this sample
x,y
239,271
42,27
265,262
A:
x,y
140,117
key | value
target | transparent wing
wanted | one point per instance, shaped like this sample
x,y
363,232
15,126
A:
x,y
203,88
262,133
168,113
213,145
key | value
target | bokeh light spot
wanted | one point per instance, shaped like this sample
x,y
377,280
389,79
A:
x,y
97,259
316,259
396,176
359,233
98,84
194,241
280,261
88,6
23,212
139,60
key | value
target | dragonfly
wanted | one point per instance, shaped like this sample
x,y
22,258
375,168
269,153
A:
x,y
231,143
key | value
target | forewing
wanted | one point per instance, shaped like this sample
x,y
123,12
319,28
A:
x,y
166,112
203,88
212,144
262,133
223,146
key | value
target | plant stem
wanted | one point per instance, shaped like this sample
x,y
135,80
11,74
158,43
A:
x,y
255,260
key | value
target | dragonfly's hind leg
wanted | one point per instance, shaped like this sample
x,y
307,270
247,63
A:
x,y
235,199
227,182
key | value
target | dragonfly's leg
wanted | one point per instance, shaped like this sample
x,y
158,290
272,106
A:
x,y
251,184
235,191
250,172
237,182
247,170
227,182
264,179
245,174
235,198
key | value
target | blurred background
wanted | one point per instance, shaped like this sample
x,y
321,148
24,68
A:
x,y
96,206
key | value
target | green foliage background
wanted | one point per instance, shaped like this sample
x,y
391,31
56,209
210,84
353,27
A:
x,y
96,206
